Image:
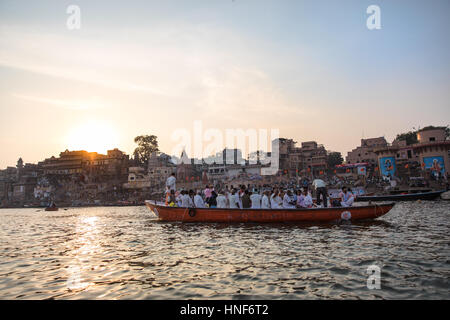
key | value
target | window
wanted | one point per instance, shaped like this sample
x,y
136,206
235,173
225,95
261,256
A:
x,y
432,139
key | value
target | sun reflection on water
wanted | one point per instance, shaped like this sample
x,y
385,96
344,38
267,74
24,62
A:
x,y
86,246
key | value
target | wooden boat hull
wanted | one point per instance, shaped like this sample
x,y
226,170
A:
x,y
165,213
51,209
403,197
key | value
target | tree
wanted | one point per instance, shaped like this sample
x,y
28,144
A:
x,y
410,137
333,159
146,146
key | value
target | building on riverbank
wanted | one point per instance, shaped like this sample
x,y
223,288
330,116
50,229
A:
x,y
365,152
308,160
430,154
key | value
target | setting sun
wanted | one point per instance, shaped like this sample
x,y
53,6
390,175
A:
x,y
92,136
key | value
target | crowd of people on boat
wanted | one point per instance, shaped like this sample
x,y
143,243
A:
x,y
245,197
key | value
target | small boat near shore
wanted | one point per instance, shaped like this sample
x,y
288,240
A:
x,y
177,214
51,209
402,197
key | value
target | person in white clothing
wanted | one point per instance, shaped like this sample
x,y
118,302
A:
x,y
288,200
347,198
234,200
178,198
255,198
275,200
186,200
265,202
321,192
171,181
221,201
198,200
306,199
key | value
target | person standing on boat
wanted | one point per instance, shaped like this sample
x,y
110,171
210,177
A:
x,y
170,182
207,193
212,202
198,200
321,192
221,201
265,202
255,198
347,198
234,199
246,202
288,200
241,194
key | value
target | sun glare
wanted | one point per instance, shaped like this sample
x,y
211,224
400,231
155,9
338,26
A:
x,y
92,136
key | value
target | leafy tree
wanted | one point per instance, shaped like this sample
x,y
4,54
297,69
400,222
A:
x,y
333,159
147,144
410,137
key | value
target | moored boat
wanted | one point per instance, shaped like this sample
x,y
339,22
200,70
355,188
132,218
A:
x,y
167,213
403,197
445,195
51,209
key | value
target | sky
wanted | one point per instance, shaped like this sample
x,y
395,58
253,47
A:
x,y
311,69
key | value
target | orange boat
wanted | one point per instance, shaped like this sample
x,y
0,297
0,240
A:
x,y
166,213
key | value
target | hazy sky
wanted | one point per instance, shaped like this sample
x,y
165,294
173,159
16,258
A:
x,y
309,68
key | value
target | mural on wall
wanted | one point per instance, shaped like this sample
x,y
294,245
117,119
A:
x,y
436,165
387,166
362,171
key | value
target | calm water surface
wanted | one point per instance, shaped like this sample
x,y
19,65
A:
x,y
125,253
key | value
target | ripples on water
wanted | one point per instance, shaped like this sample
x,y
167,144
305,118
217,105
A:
x,y
125,253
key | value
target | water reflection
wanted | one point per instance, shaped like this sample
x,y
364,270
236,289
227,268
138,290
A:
x,y
124,253
82,248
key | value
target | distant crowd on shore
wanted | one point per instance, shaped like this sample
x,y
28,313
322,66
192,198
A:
x,y
244,197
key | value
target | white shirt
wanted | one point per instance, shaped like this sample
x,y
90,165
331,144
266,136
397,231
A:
x,y
307,201
286,202
275,202
234,200
186,201
319,183
170,183
221,201
198,201
256,201
265,204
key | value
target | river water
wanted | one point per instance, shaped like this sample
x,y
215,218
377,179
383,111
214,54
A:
x,y
125,253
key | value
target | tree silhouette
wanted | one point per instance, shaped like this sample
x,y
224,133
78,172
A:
x,y
147,144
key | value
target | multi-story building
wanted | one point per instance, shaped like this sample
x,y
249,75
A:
x,y
115,162
309,159
365,152
431,153
8,177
